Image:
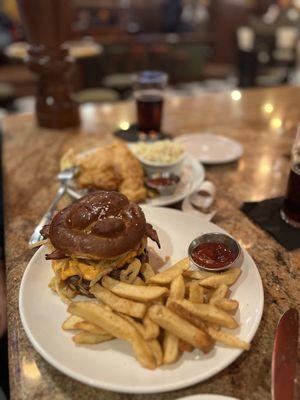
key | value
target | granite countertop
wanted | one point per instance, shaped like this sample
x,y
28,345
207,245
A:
x,y
30,163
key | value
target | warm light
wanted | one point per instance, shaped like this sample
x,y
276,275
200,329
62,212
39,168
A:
x,y
88,110
264,168
268,108
245,243
106,108
31,370
236,95
276,123
175,101
124,125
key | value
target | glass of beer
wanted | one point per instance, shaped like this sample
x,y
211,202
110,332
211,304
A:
x,y
149,94
290,211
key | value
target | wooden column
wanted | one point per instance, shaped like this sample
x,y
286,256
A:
x,y
46,23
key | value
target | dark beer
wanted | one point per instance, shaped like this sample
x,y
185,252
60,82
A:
x,y
149,111
291,205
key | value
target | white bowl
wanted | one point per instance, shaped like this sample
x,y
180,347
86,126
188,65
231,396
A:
x,y
151,167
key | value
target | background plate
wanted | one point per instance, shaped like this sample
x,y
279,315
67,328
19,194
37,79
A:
x,y
212,149
191,177
111,365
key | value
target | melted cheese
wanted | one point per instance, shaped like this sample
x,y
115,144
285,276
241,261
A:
x,y
92,270
76,267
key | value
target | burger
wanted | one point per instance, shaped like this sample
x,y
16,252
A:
x,y
100,234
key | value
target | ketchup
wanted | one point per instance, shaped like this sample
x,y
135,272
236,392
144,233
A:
x,y
213,255
161,181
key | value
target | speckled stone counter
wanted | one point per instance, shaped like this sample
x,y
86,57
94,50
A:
x,y
31,162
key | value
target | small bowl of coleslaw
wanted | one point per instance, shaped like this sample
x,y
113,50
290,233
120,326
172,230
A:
x,y
160,156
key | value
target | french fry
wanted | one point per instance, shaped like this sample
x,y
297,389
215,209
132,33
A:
x,y
196,292
170,342
228,305
52,284
199,274
157,351
147,271
165,277
91,338
219,293
70,322
227,277
133,292
159,323
170,346
117,303
88,327
129,274
228,339
149,330
137,325
179,327
184,346
207,293
138,281
117,327
205,312
192,318
40,243
160,300
177,289
212,325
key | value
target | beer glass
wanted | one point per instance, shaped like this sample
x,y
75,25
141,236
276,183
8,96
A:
x,y
290,211
149,94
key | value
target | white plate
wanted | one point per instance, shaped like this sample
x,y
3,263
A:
x,y
192,175
207,397
111,365
211,149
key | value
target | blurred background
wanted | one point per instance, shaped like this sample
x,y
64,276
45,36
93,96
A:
x,y
204,45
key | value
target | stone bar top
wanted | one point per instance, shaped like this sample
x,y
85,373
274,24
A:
x,y
263,120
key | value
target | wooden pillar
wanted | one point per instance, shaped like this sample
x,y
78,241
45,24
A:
x,y
46,24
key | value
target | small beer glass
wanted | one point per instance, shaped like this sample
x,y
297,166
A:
x,y
149,94
290,211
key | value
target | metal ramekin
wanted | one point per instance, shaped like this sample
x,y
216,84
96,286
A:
x,y
164,190
216,238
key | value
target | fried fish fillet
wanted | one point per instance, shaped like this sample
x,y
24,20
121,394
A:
x,y
128,167
112,167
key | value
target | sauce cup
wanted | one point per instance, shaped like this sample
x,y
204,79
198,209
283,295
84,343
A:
x,y
216,238
163,189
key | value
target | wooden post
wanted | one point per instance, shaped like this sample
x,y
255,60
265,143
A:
x,y
46,23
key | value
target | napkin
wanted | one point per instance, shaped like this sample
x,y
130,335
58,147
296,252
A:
x,y
266,214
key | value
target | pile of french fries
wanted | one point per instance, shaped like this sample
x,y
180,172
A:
x,y
161,315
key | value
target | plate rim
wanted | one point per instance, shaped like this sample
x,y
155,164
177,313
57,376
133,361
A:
x,y
207,396
239,146
146,389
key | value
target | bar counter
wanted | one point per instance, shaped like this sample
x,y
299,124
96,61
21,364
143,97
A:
x,y
264,121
